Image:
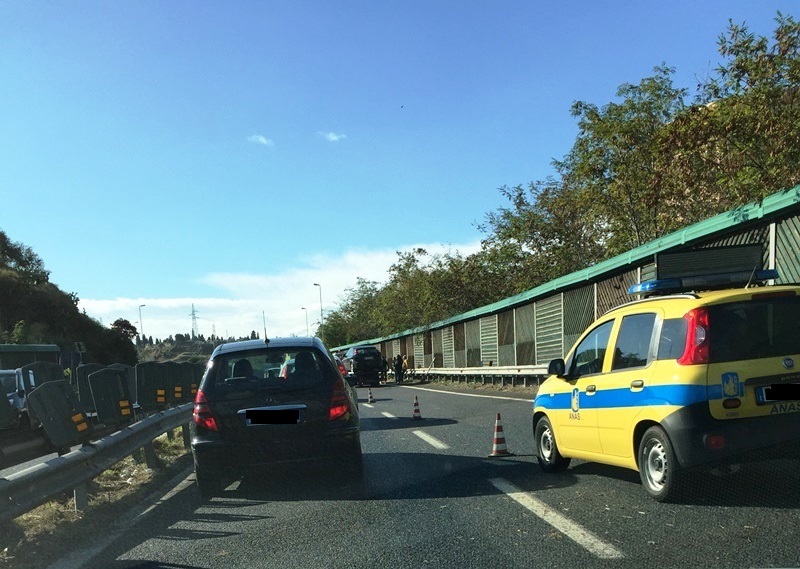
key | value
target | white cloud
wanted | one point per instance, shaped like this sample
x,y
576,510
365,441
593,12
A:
x,y
261,139
243,296
332,136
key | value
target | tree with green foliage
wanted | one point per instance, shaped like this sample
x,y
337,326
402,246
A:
x,y
739,142
22,260
125,328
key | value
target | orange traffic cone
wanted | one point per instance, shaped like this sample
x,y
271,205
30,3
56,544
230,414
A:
x,y
369,396
417,415
499,446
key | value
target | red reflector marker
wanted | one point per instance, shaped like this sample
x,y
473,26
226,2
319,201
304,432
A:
x,y
715,442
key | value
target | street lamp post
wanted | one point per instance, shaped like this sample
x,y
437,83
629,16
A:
x,y
320,308
306,311
141,324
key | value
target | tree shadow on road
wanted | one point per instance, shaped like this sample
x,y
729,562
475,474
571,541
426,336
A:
x,y
395,476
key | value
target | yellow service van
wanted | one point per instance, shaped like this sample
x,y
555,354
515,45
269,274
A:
x,y
670,382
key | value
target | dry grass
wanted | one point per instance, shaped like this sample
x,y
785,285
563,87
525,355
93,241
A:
x,y
39,537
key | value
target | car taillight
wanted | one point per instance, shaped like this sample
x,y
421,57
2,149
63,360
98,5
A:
x,y
202,413
342,369
696,350
340,403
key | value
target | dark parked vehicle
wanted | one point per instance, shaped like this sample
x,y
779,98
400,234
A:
x,y
15,389
366,364
246,414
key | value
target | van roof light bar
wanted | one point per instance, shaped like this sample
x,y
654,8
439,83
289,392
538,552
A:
x,y
702,282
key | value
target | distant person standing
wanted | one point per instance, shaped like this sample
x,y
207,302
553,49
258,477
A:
x,y
384,368
397,363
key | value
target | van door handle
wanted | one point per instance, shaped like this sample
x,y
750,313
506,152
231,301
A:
x,y
591,388
637,383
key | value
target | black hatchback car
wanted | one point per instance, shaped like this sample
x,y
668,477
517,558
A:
x,y
366,364
270,402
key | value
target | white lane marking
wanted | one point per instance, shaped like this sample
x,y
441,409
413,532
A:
x,y
367,405
529,401
385,414
572,530
433,441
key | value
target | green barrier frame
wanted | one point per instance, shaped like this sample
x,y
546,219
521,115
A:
x,y
111,396
63,418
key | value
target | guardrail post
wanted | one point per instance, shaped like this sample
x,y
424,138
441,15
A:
x,y
150,457
170,434
81,497
187,439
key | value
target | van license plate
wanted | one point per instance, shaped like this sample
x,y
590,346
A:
x,y
778,392
272,416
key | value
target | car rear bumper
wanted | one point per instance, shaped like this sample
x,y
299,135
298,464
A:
x,y
691,429
212,448
368,376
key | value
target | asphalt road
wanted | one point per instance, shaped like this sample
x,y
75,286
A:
x,y
432,498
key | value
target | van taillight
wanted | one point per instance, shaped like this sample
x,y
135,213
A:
x,y
340,403
696,349
202,413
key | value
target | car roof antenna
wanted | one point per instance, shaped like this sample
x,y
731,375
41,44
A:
x,y
752,275
264,317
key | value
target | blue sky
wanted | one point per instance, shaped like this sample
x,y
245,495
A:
x,y
231,154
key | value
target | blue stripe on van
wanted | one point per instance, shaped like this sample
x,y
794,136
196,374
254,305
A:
x,y
680,395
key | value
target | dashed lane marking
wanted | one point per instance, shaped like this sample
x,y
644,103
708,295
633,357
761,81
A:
x,y
529,401
572,530
385,414
433,441
368,405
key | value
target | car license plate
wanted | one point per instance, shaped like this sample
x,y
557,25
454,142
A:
x,y
272,416
778,392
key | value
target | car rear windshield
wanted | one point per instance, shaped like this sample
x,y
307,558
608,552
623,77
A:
x,y
268,368
754,329
366,351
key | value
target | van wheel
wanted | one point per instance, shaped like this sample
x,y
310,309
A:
x,y
658,466
550,460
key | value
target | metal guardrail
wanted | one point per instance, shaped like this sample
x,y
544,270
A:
x,y
526,376
488,370
22,491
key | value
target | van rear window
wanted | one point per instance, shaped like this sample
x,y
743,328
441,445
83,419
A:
x,y
672,340
755,329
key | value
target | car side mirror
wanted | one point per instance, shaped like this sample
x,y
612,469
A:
x,y
557,368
